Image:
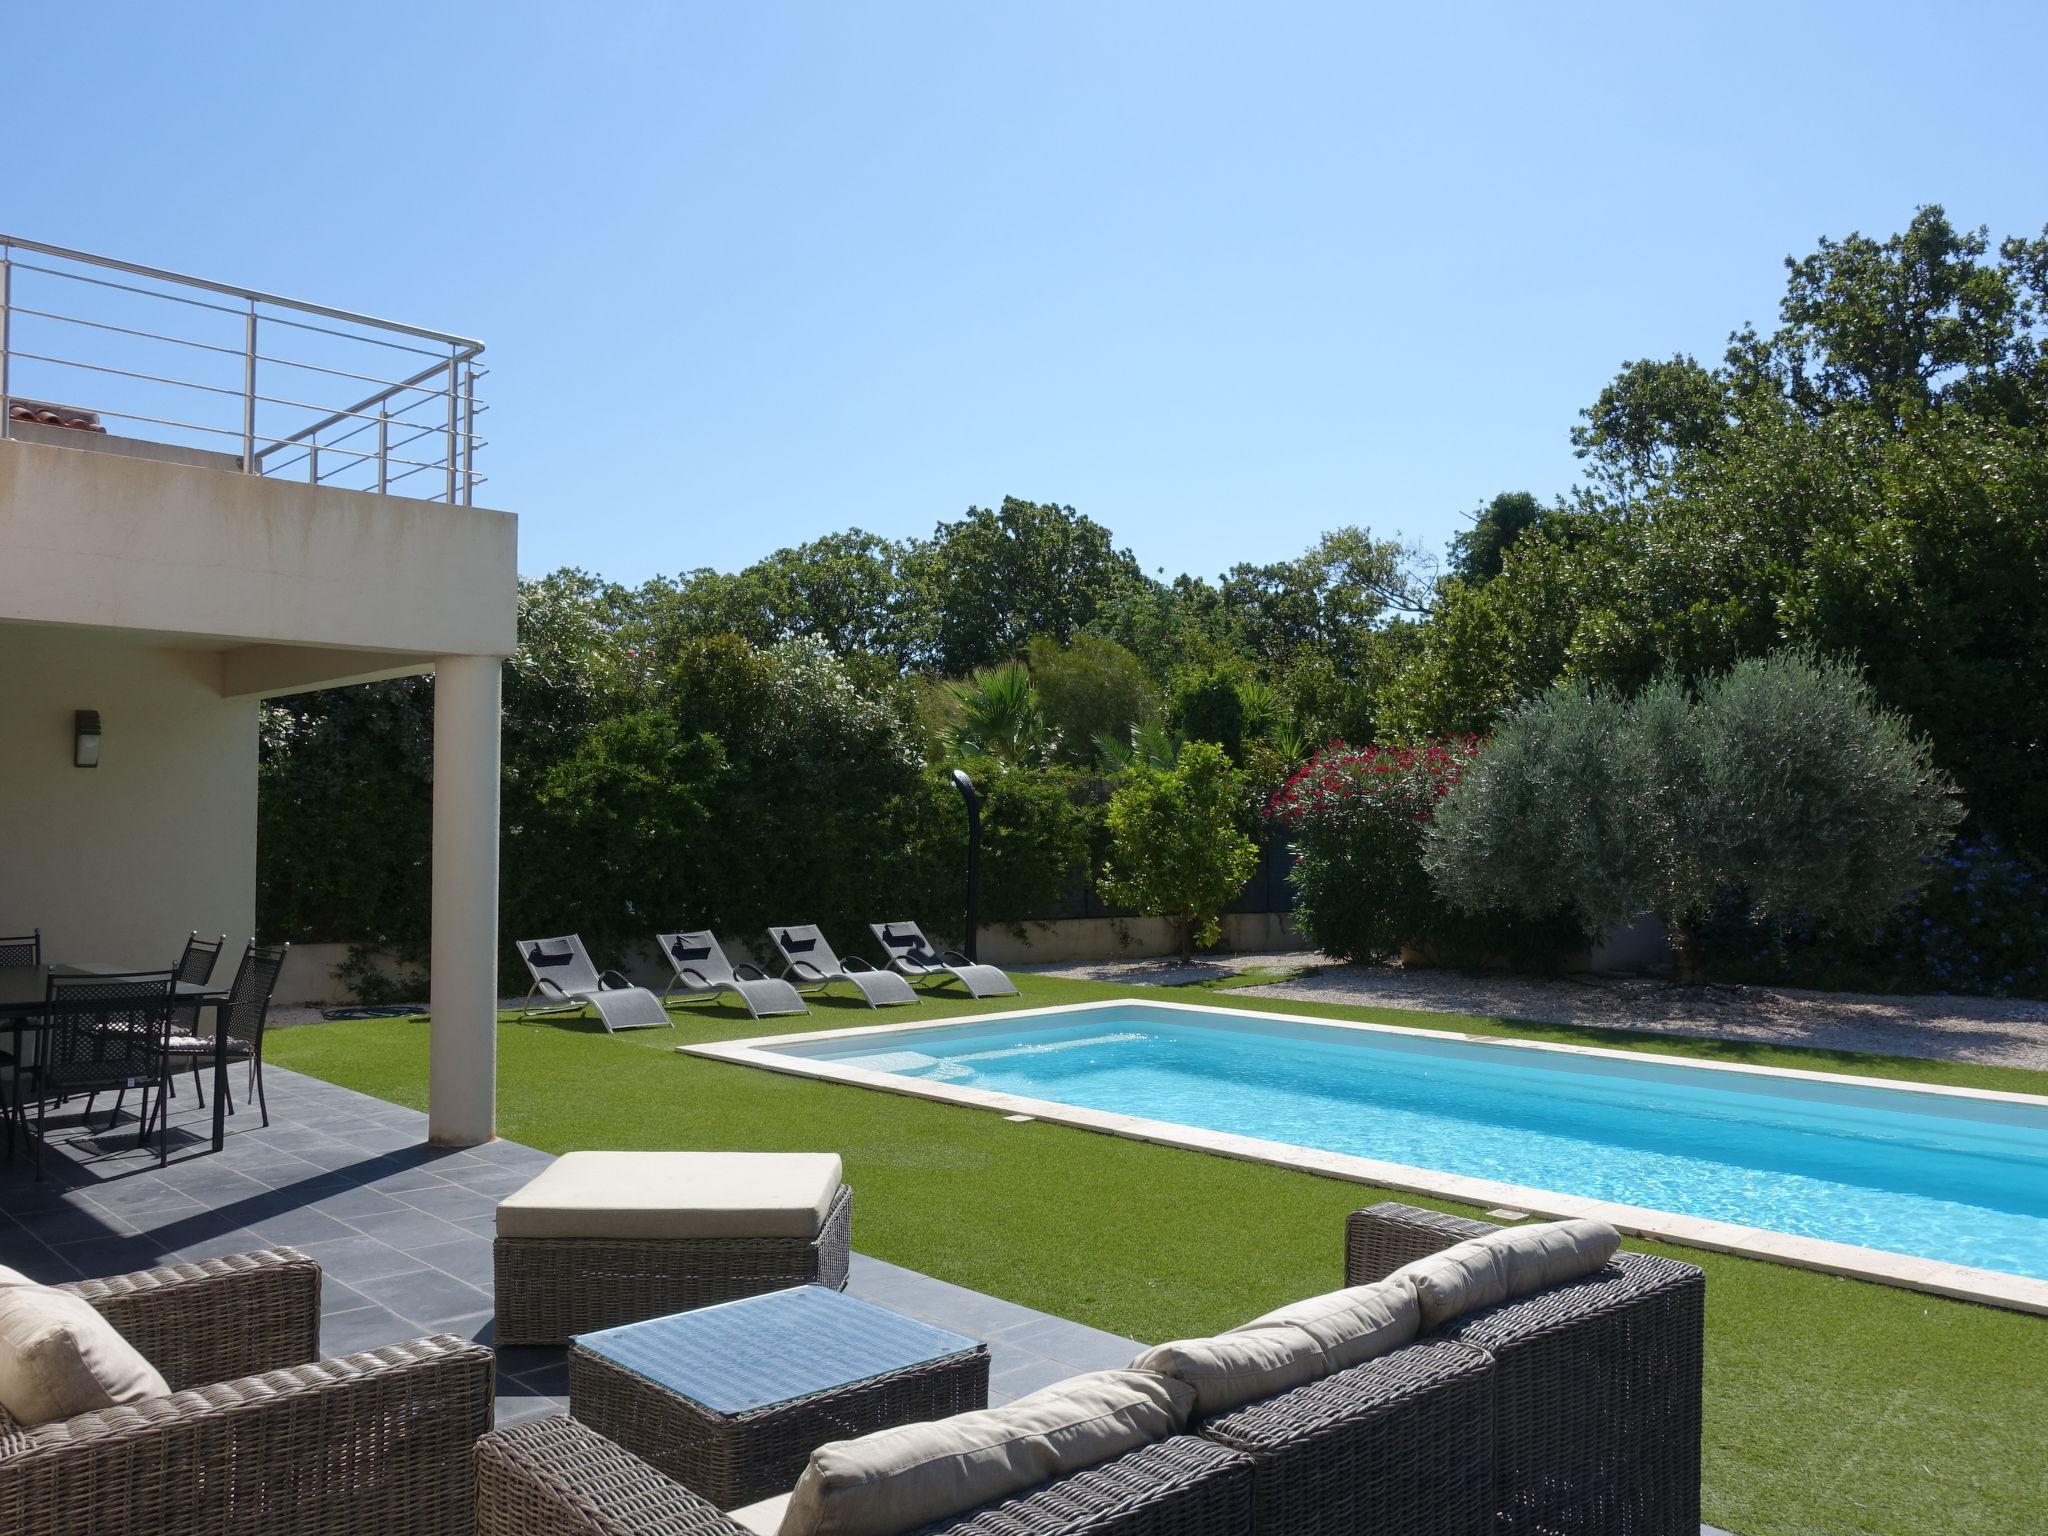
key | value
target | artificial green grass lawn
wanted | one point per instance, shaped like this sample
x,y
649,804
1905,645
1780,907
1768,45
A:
x,y
1832,1405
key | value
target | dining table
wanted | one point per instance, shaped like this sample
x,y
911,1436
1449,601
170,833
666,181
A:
x,y
24,997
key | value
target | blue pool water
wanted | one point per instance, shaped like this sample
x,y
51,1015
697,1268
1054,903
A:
x,y
1916,1173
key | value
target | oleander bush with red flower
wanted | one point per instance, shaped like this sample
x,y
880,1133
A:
x,y
1356,817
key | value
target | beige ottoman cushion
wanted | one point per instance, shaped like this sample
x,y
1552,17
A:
x,y
650,1196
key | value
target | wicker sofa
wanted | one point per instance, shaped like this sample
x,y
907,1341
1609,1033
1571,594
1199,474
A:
x,y
1597,1384
551,1477
258,1434
1574,1409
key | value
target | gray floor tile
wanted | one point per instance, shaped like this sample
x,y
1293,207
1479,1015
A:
x,y
468,1260
1029,1377
360,1257
1085,1348
427,1297
451,1202
363,1328
297,1228
408,1228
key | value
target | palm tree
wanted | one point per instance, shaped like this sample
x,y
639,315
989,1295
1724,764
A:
x,y
999,717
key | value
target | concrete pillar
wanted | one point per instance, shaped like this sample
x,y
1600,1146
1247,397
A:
x,y
463,1038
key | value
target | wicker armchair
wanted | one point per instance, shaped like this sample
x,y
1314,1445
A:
x,y
257,1435
555,1477
1597,1383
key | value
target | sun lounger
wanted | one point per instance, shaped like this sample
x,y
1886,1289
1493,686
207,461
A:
x,y
567,981
810,963
912,954
703,971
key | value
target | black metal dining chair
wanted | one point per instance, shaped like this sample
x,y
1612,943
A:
x,y
195,968
106,1033
243,1021
22,949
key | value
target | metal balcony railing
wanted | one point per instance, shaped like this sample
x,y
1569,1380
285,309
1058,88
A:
x,y
270,385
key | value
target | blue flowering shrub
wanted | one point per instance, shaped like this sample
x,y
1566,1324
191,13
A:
x,y
1979,926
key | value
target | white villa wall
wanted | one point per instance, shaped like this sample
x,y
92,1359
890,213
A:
x,y
137,544
117,864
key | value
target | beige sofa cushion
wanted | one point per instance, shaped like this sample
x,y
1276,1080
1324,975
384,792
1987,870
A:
x,y
59,1358
1515,1261
1351,1326
655,1195
763,1518
1239,1367
898,1479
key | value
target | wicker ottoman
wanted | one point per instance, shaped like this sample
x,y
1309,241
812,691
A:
x,y
605,1238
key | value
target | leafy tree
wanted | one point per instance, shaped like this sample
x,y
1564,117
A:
x,y
996,715
1356,817
1781,781
991,581
1865,479
1912,322
847,591
1652,415
1089,688
1175,847
1207,705
1035,831
1476,554
344,814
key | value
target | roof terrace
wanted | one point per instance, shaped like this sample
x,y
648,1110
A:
x,y
148,363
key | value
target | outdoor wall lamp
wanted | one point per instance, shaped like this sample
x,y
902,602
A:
x,y
967,792
85,747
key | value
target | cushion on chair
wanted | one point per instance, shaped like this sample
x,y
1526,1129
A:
x,y
657,1195
1515,1261
1351,1326
1232,1369
763,1518
898,1479
59,1358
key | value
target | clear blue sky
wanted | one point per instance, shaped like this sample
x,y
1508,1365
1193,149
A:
x,y
1221,277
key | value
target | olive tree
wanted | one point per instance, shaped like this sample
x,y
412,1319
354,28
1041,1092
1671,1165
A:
x,y
1176,849
1779,779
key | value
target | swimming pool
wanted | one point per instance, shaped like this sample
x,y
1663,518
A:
x,y
1955,1177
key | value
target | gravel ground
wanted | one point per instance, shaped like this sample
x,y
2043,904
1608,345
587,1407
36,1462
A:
x,y
2006,1032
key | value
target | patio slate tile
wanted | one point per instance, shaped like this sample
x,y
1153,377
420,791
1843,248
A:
x,y
297,1228
1085,1348
427,1297
1028,1377
359,1257
407,1228
451,1202
348,1333
467,1259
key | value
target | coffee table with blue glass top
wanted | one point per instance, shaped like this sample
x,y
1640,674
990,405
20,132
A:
x,y
730,1400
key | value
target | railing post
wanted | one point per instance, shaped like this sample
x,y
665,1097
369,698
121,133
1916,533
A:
x,y
383,447
452,405
468,434
6,314
312,462
249,464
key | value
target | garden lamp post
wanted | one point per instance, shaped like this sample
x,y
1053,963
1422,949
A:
x,y
968,793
